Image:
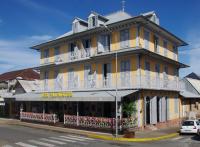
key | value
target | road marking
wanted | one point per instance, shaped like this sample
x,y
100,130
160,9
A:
x,y
177,138
73,138
25,144
62,139
41,143
81,137
53,141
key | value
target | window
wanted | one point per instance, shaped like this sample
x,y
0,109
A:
x,y
56,82
106,74
156,44
86,43
57,54
73,51
46,55
165,48
157,68
46,77
176,104
72,81
75,27
125,73
175,52
88,77
94,21
124,38
104,43
146,38
147,73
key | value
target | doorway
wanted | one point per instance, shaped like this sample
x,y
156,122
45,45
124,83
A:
x,y
147,110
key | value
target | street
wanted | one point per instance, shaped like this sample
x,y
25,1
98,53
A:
x,y
19,136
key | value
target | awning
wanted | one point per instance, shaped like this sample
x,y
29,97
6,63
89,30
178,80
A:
x,y
187,94
84,96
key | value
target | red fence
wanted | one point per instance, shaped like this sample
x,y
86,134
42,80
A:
x,y
98,122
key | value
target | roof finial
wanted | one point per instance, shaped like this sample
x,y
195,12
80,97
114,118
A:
x,y
123,5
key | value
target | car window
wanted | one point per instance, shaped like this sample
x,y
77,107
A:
x,y
188,123
198,123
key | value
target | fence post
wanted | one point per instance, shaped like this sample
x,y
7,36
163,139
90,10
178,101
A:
x,y
20,117
77,115
54,118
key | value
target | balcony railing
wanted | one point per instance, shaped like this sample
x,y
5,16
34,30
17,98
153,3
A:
x,y
80,53
134,82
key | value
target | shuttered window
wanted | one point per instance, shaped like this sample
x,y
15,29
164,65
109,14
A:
x,y
176,105
125,73
165,48
46,77
124,38
146,38
57,54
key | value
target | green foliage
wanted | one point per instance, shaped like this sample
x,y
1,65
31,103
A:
x,y
129,108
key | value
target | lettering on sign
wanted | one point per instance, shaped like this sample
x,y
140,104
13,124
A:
x,y
57,94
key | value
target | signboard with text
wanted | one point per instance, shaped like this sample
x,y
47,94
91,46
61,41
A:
x,y
56,94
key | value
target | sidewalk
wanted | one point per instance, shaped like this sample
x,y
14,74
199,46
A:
x,y
141,136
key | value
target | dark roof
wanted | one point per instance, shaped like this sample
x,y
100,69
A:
x,y
193,76
26,74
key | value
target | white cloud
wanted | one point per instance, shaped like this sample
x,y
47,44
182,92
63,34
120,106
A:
x,y
16,54
193,52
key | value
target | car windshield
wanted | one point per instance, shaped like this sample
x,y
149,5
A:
x,y
188,123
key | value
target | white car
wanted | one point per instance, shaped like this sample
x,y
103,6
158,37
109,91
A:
x,y
190,126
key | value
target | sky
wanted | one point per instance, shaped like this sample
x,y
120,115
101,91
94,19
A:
x,y
24,23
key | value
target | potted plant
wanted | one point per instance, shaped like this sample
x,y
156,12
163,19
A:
x,y
129,123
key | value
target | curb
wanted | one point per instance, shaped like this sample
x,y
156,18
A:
x,y
133,139
89,134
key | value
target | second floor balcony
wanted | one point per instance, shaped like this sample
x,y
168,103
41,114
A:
x,y
135,82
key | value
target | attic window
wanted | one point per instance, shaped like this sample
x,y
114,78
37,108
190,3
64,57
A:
x,y
93,21
75,27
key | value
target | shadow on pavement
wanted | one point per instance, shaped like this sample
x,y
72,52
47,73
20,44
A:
x,y
196,138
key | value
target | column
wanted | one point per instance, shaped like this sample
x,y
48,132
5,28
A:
x,y
77,113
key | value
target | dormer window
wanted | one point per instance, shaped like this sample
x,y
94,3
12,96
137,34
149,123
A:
x,y
93,21
75,26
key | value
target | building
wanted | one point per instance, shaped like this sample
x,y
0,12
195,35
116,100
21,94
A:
x,y
109,58
190,94
12,83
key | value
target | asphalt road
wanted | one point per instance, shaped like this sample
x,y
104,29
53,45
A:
x,y
19,136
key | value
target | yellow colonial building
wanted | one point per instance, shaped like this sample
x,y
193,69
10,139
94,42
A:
x,y
109,58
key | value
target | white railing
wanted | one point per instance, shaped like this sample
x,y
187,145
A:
x,y
98,122
39,117
134,82
80,53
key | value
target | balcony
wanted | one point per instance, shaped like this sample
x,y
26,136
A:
x,y
80,54
134,82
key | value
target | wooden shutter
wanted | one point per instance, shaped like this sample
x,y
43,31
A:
x,y
146,37
100,44
153,109
163,109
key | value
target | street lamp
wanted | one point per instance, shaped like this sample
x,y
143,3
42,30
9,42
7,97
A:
x,y
116,88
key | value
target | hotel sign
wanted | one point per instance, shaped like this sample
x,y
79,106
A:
x,y
57,94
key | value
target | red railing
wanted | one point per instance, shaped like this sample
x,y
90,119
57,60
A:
x,y
40,117
98,122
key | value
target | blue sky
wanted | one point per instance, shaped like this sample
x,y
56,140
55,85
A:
x,y
27,22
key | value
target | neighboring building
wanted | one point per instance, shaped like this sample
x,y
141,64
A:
x,y
15,82
81,70
190,94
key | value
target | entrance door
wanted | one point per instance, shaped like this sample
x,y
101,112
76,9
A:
x,y
106,75
147,113
158,109
153,110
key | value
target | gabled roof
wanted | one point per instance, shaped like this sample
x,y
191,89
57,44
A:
x,y
195,83
193,76
117,16
116,19
29,86
27,74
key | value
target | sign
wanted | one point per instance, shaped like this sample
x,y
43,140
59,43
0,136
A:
x,y
57,94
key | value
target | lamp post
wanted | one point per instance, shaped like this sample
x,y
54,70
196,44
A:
x,y
116,89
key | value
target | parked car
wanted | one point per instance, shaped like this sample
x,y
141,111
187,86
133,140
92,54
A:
x,y
190,126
